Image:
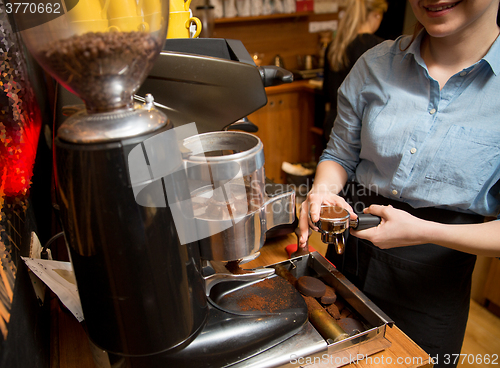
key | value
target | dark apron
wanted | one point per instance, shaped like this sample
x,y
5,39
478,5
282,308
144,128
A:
x,y
424,288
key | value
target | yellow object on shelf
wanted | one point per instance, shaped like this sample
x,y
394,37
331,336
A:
x,y
118,15
179,24
125,16
152,14
86,10
122,9
128,24
179,5
89,16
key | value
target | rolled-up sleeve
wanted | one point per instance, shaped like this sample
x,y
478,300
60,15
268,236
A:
x,y
345,144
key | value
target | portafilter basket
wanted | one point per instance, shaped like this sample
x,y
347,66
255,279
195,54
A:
x,y
334,221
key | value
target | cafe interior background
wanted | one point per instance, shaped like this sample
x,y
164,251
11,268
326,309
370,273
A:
x,y
271,35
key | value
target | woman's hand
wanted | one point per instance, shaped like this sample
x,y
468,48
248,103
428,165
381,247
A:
x,y
310,209
397,228
329,180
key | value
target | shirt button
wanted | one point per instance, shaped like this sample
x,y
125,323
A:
x,y
463,74
413,150
394,192
432,112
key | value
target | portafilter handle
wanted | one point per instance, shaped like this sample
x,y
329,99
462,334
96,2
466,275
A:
x,y
365,221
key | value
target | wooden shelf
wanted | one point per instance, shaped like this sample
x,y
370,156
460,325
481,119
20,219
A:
x,y
269,35
269,17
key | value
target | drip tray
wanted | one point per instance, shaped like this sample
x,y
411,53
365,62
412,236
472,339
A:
x,y
273,295
308,347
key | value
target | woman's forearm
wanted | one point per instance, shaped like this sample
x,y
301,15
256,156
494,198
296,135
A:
x,y
399,228
330,176
481,239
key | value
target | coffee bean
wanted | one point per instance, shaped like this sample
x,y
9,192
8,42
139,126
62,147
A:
x,y
104,69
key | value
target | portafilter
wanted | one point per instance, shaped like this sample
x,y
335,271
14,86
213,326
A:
x,y
334,221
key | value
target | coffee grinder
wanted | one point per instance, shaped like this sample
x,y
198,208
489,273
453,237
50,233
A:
x,y
148,297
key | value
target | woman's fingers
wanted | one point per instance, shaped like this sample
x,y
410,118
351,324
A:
x,y
311,208
304,223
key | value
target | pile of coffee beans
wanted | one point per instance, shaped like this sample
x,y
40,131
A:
x,y
104,69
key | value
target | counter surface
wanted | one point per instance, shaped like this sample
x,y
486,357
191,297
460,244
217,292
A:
x,y
70,347
299,85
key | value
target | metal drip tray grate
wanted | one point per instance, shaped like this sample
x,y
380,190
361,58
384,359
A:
x,y
308,347
269,296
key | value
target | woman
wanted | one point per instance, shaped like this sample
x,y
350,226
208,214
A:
x,y
418,124
355,35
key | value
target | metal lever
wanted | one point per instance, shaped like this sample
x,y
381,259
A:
x,y
273,75
225,275
243,124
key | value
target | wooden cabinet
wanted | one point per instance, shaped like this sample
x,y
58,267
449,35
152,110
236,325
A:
x,y
287,35
285,122
491,288
285,126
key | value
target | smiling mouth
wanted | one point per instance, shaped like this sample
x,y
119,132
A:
x,y
440,8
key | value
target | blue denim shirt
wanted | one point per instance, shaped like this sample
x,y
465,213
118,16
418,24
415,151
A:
x,y
421,145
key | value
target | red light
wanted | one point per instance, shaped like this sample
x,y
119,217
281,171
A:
x,y
19,131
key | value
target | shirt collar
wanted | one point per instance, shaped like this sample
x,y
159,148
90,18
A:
x,y
492,57
414,48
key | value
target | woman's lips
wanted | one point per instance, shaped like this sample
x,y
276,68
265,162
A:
x,y
440,9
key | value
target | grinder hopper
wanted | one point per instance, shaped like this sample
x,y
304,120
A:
x,y
102,53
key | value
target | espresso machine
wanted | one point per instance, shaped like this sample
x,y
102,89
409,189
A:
x,y
150,208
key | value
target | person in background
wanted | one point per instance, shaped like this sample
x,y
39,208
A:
x,y
355,35
418,131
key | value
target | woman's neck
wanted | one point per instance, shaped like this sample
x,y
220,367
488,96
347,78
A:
x,y
365,28
446,56
372,22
